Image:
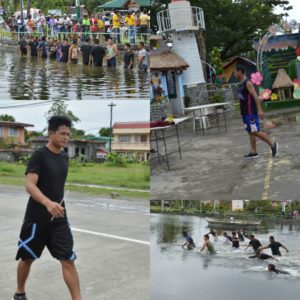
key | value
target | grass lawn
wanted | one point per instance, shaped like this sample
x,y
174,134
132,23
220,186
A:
x,y
133,176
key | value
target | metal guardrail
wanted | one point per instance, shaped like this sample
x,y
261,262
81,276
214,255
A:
x,y
119,38
195,23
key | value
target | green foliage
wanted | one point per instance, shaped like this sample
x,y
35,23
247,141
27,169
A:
x,y
259,206
24,159
7,118
117,160
59,107
217,98
105,131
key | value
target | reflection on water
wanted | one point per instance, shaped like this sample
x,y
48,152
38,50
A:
x,y
28,79
229,275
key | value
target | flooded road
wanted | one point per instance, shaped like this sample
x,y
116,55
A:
x,y
230,275
26,78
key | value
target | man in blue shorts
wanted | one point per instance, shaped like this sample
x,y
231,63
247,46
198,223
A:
x,y
45,223
251,111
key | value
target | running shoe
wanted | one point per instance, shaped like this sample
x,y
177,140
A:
x,y
19,297
274,149
251,156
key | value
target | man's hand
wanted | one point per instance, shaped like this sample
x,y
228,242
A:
x,y
55,209
261,113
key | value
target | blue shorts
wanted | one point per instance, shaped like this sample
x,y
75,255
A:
x,y
251,123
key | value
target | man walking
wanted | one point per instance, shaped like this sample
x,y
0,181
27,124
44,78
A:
x,y
45,222
251,111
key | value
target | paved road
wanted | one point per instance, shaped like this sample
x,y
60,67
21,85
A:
x,y
213,166
111,242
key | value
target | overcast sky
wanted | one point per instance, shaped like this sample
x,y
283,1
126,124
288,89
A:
x,y
295,12
93,114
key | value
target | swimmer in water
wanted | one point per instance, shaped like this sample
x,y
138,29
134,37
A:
x,y
214,234
228,237
189,242
240,235
254,242
263,256
272,268
235,240
275,246
208,245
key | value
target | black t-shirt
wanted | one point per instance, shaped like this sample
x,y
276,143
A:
x,y
275,248
52,169
241,237
86,51
22,44
128,58
65,53
33,48
235,243
263,256
255,244
97,53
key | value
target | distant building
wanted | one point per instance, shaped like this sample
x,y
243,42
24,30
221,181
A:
x,y
86,149
126,4
230,66
237,205
13,132
132,139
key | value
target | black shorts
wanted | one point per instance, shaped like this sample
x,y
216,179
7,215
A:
x,y
56,236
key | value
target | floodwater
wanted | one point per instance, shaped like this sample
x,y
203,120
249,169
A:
x,y
229,275
26,78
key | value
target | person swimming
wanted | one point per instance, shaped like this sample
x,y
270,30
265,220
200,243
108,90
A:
x,y
235,240
272,268
228,237
240,235
263,256
189,242
208,245
214,234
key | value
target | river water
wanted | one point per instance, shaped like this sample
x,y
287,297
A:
x,y
229,275
26,78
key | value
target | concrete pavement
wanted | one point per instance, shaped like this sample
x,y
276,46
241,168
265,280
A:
x,y
111,242
213,166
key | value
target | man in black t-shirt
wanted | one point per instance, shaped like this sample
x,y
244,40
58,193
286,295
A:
x,y
85,50
23,46
45,222
65,51
259,254
274,246
33,46
97,54
128,57
255,243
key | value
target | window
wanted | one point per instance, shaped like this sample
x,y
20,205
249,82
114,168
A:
x,y
1,131
144,138
12,131
124,138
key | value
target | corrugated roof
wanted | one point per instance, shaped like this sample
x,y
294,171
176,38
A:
x,y
16,124
131,125
121,3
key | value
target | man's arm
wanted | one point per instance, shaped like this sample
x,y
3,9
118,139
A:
x,y
184,244
252,91
203,247
286,249
54,208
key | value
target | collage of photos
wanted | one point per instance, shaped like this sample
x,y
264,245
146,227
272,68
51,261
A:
x,y
149,149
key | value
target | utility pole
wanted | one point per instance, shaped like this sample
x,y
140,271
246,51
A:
x,y
22,13
77,5
111,105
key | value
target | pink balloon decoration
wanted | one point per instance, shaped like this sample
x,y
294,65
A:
x,y
256,78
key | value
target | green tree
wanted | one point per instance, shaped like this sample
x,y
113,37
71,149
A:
x,y
7,118
105,131
233,25
60,108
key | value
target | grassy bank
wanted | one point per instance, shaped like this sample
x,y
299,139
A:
x,y
133,176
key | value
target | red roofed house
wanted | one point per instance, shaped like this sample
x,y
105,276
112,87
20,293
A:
x,y
132,139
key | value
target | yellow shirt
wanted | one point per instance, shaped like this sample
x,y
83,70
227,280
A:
x,y
145,19
116,21
130,20
100,24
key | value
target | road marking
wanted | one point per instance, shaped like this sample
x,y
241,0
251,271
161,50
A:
x,y
111,236
265,194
